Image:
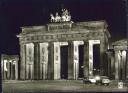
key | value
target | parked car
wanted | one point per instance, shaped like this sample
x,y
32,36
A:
x,y
102,80
90,79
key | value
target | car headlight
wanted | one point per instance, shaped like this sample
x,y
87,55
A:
x,y
97,77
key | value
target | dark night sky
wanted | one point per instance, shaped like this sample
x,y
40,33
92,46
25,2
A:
x,y
17,13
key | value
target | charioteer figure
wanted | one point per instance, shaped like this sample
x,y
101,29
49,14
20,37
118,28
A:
x,y
65,17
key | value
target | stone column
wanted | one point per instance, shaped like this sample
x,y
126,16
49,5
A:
x,y
116,65
16,70
106,65
102,57
41,70
36,61
112,66
26,71
2,67
4,72
51,60
70,60
109,63
23,62
90,56
123,64
76,59
9,70
127,64
86,59
12,73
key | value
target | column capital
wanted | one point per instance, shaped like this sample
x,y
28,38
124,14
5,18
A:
x,y
36,43
50,43
86,41
70,42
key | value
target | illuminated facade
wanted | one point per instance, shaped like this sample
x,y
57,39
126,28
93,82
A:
x,y
63,50
118,60
9,67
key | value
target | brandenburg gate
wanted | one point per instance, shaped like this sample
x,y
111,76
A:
x,y
63,50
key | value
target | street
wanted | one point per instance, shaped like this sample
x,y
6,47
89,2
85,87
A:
x,y
13,86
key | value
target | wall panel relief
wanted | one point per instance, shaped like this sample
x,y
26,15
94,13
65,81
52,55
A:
x,y
56,60
29,61
43,60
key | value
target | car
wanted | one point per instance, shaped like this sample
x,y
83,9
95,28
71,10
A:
x,y
90,79
102,80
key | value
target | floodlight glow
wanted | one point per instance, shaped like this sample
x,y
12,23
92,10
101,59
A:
x,y
5,60
90,72
123,53
14,61
97,77
10,60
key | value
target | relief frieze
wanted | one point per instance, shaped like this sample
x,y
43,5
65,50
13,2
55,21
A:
x,y
50,37
28,38
74,35
58,27
63,36
58,36
32,38
40,37
78,35
36,38
69,36
47,37
55,37
44,37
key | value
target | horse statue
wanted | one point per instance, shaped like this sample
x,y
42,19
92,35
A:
x,y
65,15
57,18
52,18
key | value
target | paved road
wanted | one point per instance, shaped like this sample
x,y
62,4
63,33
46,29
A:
x,y
57,85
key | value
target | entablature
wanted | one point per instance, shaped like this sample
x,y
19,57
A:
x,y
64,31
62,37
65,26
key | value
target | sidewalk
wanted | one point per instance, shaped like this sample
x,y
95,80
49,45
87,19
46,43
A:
x,y
58,85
